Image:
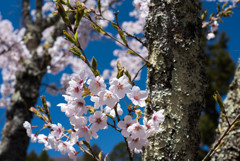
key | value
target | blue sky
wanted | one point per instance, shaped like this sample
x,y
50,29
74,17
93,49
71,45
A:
x,y
102,51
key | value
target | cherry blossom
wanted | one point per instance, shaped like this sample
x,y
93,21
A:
x,y
137,97
108,98
125,124
136,143
137,131
96,85
98,120
57,130
120,86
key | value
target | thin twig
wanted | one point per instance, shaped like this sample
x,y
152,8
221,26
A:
x,y
138,73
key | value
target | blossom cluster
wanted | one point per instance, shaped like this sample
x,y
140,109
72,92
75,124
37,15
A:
x,y
213,28
87,120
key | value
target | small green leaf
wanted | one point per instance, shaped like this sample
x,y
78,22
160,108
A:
x,y
87,144
224,5
99,6
114,25
128,75
218,99
131,52
97,28
100,155
63,14
79,15
69,36
76,36
122,36
41,109
218,8
94,64
210,17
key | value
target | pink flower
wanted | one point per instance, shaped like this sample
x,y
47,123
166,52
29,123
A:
x,y
137,97
108,98
157,117
85,132
74,89
99,121
137,131
28,127
120,86
136,143
96,85
43,139
57,130
125,124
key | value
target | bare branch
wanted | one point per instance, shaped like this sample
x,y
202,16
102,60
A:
x,y
26,12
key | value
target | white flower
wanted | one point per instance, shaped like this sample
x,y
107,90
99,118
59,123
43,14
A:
x,y
65,146
99,121
157,118
28,127
85,132
57,130
74,89
33,138
108,98
42,139
96,85
137,97
210,36
78,122
125,124
137,143
214,26
68,109
120,86
96,100
137,131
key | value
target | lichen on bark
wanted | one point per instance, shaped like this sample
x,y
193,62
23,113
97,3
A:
x,y
176,77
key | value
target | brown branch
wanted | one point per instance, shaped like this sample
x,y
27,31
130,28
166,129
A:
x,y
39,4
50,21
26,12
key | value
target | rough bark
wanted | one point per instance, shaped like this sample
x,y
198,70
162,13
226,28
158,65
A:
x,y
176,79
230,149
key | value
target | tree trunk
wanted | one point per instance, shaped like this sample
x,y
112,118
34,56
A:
x,y
230,149
176,77
15,141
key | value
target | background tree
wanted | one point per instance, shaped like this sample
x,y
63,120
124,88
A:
x,y
220,69
42,157
120,153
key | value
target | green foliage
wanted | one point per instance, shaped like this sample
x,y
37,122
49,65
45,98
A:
x,y
120,153
42,157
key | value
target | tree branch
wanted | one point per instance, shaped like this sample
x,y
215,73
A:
x,y
39,4
26,13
